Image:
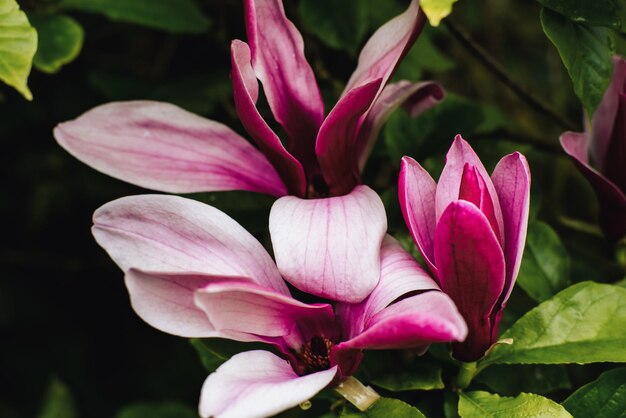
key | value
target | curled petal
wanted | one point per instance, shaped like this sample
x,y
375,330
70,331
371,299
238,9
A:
x,y
245,89
416,193
511,178
160,233
415,98
163,147
474,189
330,247
461,153
257,384
288,80
471,270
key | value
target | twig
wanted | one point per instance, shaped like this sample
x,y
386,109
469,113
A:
x,y
519,138
500,72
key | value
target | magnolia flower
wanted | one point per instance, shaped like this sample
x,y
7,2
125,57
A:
x,y
600,153
470,229
192,271
162,147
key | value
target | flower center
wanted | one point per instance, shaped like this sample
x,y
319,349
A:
x,y
315,354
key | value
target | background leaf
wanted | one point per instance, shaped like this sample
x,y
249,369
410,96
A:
x,y
602,398
59,402
179,16
545,266
584,323
387,407
60,41
597,12
18,44
536,378
157,410
586,53
486,405
213,352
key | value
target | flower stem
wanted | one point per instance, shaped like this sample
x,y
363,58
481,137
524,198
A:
x,y
466,374
499,71
357,393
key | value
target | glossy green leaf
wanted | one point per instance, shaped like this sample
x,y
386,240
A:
x,y
586,53
480,404
424,378
215,351
339,24
545,267
385,408
18,44
536,378
584,323
609,13
179,16
60,41
436,10
602,398
58,402
157,410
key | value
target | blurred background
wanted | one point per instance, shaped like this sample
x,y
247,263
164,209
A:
x,y
70,343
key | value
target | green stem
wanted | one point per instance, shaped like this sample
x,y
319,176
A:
x,y
466,374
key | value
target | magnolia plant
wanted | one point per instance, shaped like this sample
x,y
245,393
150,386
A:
x,y
192,271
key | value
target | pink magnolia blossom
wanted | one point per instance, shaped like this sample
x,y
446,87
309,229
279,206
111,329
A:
x,y
470,229
192,271
600,153
162,147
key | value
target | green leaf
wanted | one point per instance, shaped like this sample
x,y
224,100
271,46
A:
x,y
545,266
423,378
608,13
584,323
18,44
213,352
436,10
387,407
486,405
60,41
58,402
157,410
178,16
536,378
602,398
339,24
586,53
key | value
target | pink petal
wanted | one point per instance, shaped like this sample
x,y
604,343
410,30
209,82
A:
x,y
474,189
612,199
244,307
416,192
449,184
258,384
415,98
471,271
288,80
400,275
336,146
414,322
330,247
159,233
382,52
603,120
511,178
245,88
162,147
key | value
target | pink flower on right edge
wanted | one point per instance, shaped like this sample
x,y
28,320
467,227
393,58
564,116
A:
x,y
600,153
471,229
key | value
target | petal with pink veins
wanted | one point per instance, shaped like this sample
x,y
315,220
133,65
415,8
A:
x,y
415,98
173,234
511,178
288,81
471,270
330,247
416,193
449,183
163,147
248,308
245,91
258,384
